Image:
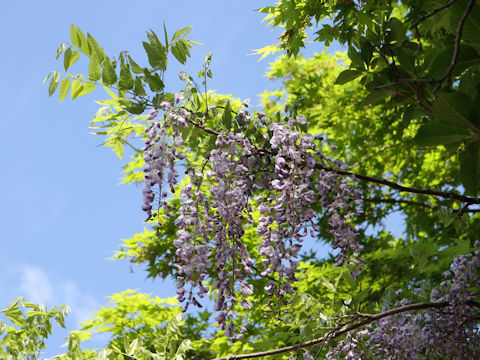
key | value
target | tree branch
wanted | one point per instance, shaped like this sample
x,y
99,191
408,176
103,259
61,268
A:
x,y
450,3
445,195
414,26
366,319
458,37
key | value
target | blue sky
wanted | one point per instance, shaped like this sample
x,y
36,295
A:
x,y
62,212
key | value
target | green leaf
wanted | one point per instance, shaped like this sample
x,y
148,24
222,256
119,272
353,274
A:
x,y
355,57
135,108
83,42
366,50
397,30
69,58
118,147
87,89
64,88
165,34
94,70
470,168
126,79
109,76
454,108
471,28
186,46
179,52
47,77
156,56
60,50
95,48
53,83
139,89
467,57
80,89
374,97
77,87
154,81
135,67
73,36
347,75
227,116
446,217
437,132
407,61
14,314
181,33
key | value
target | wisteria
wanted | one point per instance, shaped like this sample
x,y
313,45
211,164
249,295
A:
x,y
160,155
212,223
447,332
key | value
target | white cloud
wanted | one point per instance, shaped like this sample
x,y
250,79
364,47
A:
x,y
37,286
82,305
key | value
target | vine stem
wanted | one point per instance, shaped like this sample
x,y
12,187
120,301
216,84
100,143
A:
x,y
343,329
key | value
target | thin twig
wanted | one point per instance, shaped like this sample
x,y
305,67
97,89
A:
x,y
462,211
450,3
448,73
367,319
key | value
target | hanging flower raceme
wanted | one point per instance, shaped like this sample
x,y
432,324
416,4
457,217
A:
x,y
160,153
282,181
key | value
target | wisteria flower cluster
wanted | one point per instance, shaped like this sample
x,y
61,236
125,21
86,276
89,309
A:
x,y
448,332
160,154
282,181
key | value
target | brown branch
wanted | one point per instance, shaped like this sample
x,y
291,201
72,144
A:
x,y
462,211
200,126
367,319
458,37
416,23
445,195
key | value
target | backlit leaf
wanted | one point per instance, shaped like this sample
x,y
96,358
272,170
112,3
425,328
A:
x,y
109,77
53,83
437,132
126,78
470,168
64,88
347,75
94,70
